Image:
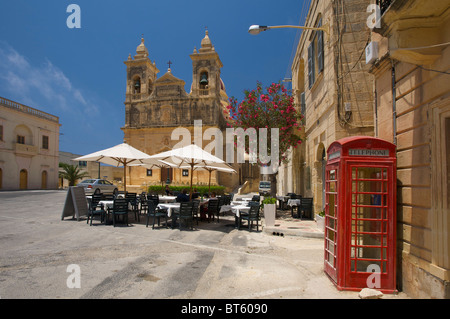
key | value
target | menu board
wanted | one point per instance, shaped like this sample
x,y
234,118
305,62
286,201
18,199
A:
x,y
76,203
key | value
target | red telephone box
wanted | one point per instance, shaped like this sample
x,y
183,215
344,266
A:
x,y
360,214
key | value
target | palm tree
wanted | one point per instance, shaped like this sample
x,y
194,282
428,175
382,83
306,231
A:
x,y
71,172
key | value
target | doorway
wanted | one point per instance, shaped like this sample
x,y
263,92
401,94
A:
x,y
44,180
23,179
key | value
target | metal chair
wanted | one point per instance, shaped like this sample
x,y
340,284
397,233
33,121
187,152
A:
x,y
93,211
120,208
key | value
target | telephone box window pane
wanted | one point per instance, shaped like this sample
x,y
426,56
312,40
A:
x,y
331,205
363,265
332,187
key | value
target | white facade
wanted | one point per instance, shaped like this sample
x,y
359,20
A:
x,y
29,147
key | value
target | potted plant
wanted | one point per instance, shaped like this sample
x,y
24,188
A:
x,y
320,219
270,207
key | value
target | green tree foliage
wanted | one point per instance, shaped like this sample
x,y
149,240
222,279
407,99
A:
x,y
72,173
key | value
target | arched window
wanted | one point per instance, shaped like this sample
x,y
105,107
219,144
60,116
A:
x,y
204,80
137,85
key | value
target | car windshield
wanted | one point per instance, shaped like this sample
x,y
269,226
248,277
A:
x,y
264,184
88,181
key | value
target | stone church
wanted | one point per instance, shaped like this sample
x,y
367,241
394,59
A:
x,y
154,107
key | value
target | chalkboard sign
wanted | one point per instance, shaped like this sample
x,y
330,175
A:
x,y
76,203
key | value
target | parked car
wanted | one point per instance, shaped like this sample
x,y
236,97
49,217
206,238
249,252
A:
x,y
98,186
264,188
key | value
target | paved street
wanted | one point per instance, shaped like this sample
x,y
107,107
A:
x,y
213,261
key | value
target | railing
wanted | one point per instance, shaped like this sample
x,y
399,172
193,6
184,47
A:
x,y
29,110
25,149
384,5
203,92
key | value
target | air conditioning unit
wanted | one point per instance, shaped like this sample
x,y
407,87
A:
x,y
371,52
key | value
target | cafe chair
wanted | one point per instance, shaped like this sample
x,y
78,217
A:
x,y
306,207
132,200
120,208
155,212
213,209
195,209
95,208
143,205
252,216
185,214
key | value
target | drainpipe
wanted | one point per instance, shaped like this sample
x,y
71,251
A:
x,y
394,106
376,111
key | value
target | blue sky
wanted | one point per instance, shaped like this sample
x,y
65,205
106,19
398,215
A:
x,y
79,74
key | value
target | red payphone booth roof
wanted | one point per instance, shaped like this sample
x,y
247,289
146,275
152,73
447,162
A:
x,y
362,142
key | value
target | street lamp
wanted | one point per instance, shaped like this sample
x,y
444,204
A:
x,y
256,29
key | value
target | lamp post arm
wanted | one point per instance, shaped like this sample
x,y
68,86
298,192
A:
x,y
325,28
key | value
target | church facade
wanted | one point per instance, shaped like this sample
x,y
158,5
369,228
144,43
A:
x,y
155,107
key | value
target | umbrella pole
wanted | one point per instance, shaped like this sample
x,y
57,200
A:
x,y
192,173
125,177
209,190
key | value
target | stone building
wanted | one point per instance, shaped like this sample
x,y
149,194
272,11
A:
x,y
413,111
331,84
155,107
29,145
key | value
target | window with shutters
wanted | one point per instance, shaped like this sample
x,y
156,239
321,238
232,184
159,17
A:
x,y
315,55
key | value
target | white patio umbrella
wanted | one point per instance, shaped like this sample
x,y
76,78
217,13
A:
x,y
226,168
191,156
152,164
119,155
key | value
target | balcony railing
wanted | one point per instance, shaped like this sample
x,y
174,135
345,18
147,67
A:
x,y
203,92
25,149
29,110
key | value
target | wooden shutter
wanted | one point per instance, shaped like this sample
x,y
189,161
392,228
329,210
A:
x,y
320,47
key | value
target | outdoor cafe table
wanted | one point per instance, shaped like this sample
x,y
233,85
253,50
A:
x,y
167,199
237,209
292,203
282,199
170,207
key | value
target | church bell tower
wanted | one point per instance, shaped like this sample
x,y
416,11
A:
x,y
206,67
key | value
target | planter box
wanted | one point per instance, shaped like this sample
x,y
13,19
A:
x,y
320,222
269,214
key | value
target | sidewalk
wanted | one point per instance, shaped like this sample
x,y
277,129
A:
x,y
285,225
